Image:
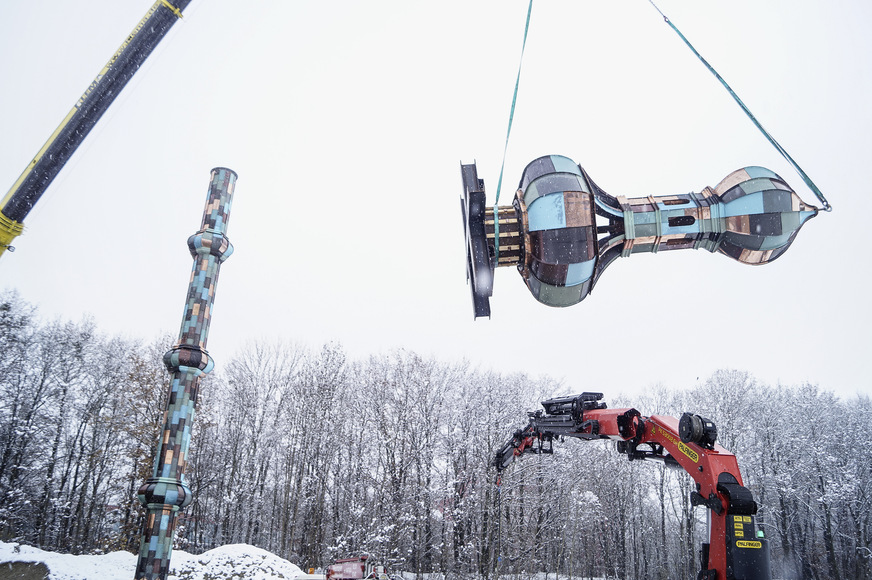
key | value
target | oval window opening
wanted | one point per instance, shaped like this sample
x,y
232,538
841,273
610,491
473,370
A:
x,y
683,220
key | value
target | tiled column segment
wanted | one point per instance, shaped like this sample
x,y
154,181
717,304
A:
x,y
165,493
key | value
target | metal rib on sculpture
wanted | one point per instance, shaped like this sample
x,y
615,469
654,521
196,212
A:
x,y
562,231
166,493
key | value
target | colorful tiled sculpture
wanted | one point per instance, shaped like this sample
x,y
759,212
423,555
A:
x,y
562,231
166,492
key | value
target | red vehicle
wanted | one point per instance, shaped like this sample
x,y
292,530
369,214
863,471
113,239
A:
x,y
355,568
736,549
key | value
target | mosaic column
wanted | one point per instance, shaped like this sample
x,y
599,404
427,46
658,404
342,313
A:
x,y
165,493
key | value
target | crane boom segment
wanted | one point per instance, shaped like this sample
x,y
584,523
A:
x,y
87,111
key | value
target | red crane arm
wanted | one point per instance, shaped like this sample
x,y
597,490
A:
x,y
734,551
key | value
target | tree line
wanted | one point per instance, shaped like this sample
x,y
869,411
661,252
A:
x,y
314,456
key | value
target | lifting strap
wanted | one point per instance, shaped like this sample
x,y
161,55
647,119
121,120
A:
x,y
509,132
779,148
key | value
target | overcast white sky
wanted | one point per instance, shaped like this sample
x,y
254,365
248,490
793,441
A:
x,y
347,122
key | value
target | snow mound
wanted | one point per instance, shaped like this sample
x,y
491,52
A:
x,y
112,566
233,562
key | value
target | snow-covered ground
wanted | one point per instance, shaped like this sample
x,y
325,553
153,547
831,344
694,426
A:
x,y
234,562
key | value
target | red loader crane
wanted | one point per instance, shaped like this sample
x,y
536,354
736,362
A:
x,y
735,550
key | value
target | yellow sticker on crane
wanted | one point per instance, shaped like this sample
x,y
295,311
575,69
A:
x,y
694,456
748,544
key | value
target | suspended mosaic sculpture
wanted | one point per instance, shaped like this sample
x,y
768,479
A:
x,y
562,231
